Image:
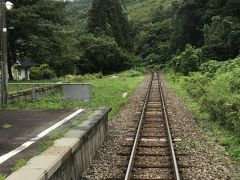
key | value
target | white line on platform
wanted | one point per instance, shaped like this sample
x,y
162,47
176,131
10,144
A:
x,y
5,157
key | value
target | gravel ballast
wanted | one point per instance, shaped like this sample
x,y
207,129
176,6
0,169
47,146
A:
x,y
207,160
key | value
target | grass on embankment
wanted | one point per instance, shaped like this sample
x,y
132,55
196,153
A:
x,y
107,91
2,177
205,101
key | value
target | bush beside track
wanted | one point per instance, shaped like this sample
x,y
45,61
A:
x,y
213,93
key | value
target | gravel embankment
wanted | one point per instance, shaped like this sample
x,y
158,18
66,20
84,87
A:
x,y
104,165
208,160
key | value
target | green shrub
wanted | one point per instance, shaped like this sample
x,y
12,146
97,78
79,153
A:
x,y
230,65
81,78
233,114
196,84
46,71
221,103
44,66
210,68
224,110
131,73
188,61
219,97
90,76
36,73
42,72
47,74
99,75
235,81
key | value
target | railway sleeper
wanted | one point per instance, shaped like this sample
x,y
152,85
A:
x,y
143,154
153,174
146,166
145,145
153,166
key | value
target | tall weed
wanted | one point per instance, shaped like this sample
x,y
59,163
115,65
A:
x,y
218,96
216,102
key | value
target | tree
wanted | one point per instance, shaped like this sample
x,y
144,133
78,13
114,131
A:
x,y
222,38
188,61
232,8
107,18
102,54
154,38
214,8
42,72
40,34
188,24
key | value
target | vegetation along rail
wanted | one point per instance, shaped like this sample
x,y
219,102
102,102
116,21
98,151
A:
x,y
151,152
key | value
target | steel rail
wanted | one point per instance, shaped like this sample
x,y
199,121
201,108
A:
x,y
174,160
136,140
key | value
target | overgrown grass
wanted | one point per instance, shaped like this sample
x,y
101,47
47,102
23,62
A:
x,y
6,126
50,140
76,122
107,91
195,94
2,177
20,163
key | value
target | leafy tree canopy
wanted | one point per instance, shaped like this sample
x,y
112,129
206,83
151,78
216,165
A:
x,y
107,18
102,54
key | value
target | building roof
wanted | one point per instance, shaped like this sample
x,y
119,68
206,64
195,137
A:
x,y
26,63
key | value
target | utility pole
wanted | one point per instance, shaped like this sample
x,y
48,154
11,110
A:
x,y
4,62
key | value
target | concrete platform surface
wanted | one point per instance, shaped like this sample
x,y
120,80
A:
x,y
20,126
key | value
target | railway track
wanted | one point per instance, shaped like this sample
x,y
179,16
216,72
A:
x,y
149,148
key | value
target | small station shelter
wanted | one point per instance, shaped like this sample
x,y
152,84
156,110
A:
x,y
21,69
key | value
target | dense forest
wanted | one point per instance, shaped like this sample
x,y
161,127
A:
x,y
71,35
197,40
112,35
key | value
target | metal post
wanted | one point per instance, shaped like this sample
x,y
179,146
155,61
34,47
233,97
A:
x,y
90,96
1,62
33,93
4,63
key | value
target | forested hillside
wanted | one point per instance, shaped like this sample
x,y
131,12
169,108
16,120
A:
x,y
152,25
164,28
132,32
73,35
198,41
